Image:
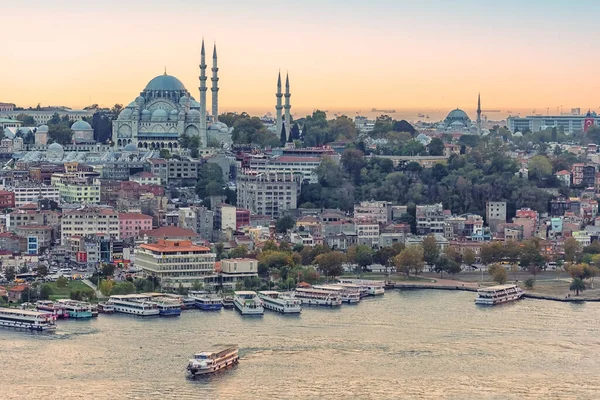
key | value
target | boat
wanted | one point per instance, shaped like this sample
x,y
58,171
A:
x,y
168,308
76,309
106,308
374,288
277,301
317,297
498,294
248,303
132,304
228,302
347,294
213,360
363,291
50,306
188,303
208,302
95,310
27,319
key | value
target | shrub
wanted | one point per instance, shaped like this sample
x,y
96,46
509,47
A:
x,y
529,283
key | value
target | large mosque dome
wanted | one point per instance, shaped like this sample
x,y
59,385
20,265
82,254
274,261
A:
x,y
457,118
81,126
165,82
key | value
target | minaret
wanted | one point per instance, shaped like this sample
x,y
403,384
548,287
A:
x,y
215,87
203,96
279,107
288,119
479,113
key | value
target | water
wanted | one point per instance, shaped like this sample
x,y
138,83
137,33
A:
x,y
417,345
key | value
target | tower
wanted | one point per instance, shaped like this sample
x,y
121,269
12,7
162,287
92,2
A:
x,y
279,107
215,87
479,113
203,96
287,107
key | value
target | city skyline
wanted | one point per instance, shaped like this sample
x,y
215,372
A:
x,y
382,54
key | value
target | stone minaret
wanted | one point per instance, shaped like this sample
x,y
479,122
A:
x,y
479,113
203,132
279,107
287,107
215,87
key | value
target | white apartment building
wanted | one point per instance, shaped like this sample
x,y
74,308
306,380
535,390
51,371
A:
x,y
88,221
27,194
535,123
268,193
367,232
288,164
175,262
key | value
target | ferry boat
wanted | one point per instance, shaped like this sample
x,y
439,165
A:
x,y
213,360
348,295
498,294
276,301
363,291
317,297
76,309
187,303
47,305
208,302
132,304
228,302
27,319
374,288
95,310
167,305
248,303
106,308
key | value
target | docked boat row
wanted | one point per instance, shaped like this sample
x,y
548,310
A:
x,y
66,308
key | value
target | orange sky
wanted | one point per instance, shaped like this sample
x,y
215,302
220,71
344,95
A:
x,y
350,55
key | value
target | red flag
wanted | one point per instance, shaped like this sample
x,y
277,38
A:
x,y
587,123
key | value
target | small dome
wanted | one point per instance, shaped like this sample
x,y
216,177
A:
x,y
165,82
518,134
140,99
43,128
193,115
183,100
159,115
55,146
126,114
81,126
130,147
174,112
457,114
145,112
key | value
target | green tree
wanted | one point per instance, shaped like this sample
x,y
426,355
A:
x,y
410,259
361,255
62,282
45,292
27,120
572,249
106,287
539,168
123,288
330,263
529,283
240,251
10,273
165,153
210,180
498,273
284,224
469,257
577,285
42,270
219,247
108,270
436,147
431,251
353,162
342,128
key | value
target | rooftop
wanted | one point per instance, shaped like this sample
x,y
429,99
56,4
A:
x,y
170,231
168,246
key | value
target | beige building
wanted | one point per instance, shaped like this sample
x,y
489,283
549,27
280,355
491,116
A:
x,y
268,193
239,265
175,262
90,221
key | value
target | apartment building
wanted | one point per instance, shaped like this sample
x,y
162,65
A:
x,y
90,221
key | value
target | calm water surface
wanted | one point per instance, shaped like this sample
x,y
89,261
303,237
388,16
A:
x,y
421,345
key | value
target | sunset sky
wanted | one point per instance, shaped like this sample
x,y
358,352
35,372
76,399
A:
x,y
340,54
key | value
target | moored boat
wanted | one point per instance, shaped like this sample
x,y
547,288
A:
x,y
248,303
106,308
374,288
27,319
498,294
76,309
133,304
213,359
207,301
317,297
280,302
348,295
228,302
50,306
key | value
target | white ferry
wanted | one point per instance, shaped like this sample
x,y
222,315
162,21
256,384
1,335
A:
x,y
374,288
317,297
276,301
50,306
207,301
167,305
27,319
76,309
213,360
106,308
498,294
348,295
362,290
248,303
228,302
132,304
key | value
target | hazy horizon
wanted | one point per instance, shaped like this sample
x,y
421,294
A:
x,y
347,56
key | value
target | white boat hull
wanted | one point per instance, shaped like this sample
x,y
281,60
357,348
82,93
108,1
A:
x,y
27,325
282,309
205,371
493,302
143,313
319,302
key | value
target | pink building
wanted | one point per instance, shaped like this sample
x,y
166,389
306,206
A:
x,y
528,220
130,224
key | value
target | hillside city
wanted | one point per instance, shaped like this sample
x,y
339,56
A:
x,y
163,194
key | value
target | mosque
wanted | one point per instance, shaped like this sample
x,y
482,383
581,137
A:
x,y
457,121
165,110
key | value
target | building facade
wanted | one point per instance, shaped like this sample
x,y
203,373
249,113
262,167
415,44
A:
x,y
267,193
90,221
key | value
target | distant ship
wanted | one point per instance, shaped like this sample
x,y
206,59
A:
x,y
383,111
421,115
490,111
